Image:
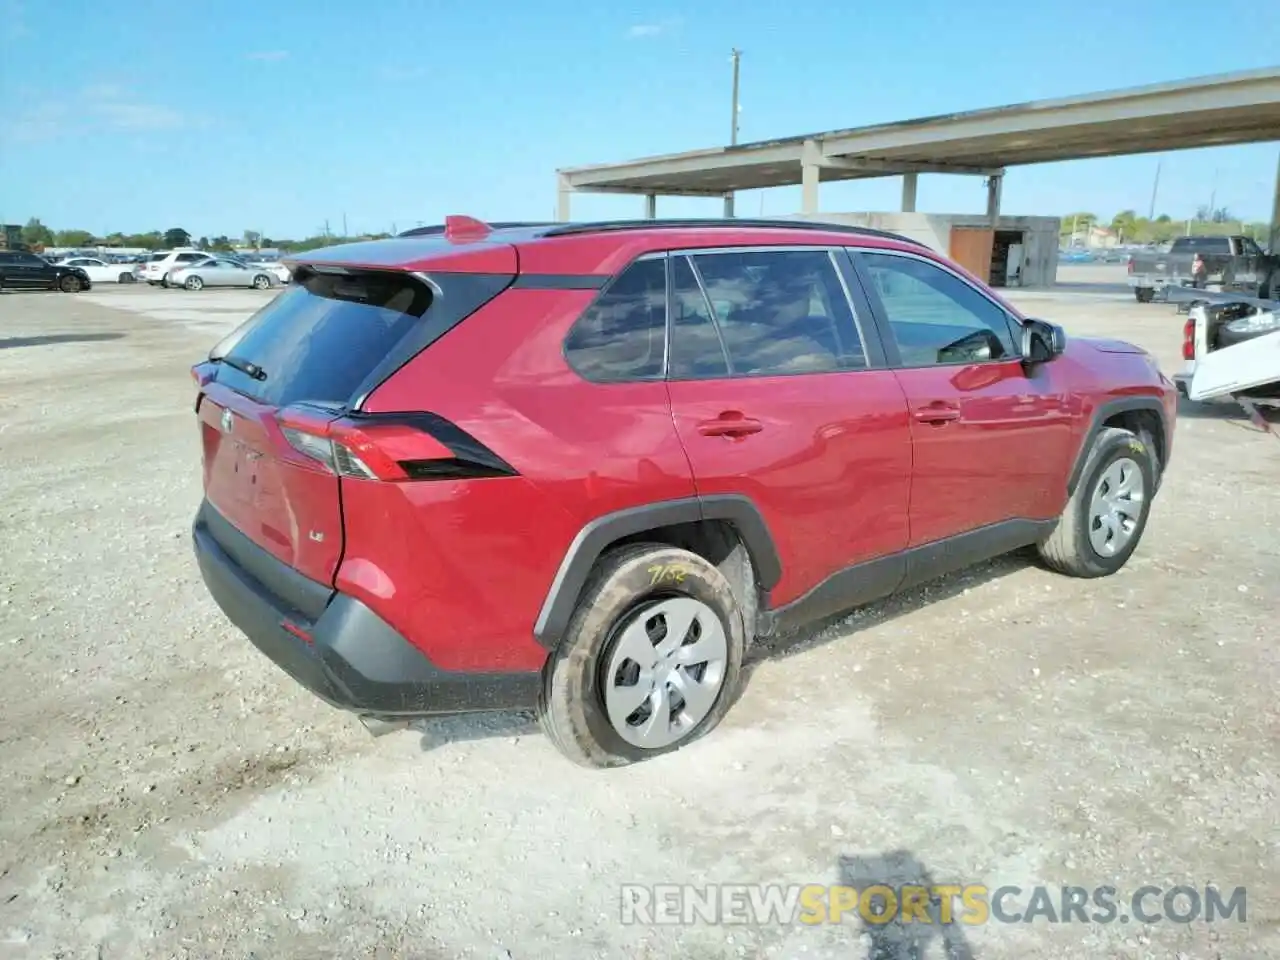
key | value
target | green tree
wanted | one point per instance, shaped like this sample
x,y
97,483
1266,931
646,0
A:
x,y
1125,224
73,238
176,237
252,238
203,243
222,244
35,233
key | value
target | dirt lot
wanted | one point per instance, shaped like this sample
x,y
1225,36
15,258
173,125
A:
x,y
167,792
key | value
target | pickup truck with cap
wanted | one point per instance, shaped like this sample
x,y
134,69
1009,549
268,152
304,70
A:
x,y
1234,264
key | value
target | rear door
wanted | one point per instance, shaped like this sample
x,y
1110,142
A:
x,y
991,441
777,394
306,354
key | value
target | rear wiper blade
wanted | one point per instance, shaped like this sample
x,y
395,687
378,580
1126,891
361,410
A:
x,y
244,366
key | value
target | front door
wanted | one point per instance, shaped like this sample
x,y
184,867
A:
x,y
777,395
991,440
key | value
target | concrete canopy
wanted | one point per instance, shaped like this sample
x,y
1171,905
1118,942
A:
x,y
1207,111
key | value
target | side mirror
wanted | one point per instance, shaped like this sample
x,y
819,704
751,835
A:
x,y
1042,342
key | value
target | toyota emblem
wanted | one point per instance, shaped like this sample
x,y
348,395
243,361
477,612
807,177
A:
x,y
228,421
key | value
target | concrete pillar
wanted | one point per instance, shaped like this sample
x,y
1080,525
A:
x,y
1274,246
563,193
728,206
993,199
909,192
809,170
650,206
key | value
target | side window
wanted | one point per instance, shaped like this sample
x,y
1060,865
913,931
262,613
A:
x,y
936,317
781,311
189,257
622,335
696,350
31,260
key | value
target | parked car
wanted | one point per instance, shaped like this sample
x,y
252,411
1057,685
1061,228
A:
x,y
156,271
100,271
274,267
22,270
577,468
1235,264
221,272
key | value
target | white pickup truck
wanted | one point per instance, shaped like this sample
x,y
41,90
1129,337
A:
x,y
1231,348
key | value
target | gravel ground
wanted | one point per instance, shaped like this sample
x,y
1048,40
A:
x,y
167,792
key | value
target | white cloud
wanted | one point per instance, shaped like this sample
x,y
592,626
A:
x,y
655,29
268,56
107,107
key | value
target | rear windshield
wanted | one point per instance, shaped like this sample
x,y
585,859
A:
x,y
320,340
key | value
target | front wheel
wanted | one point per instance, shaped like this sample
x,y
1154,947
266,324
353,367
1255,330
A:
x,y
650,661
1106,515
261,282
69,284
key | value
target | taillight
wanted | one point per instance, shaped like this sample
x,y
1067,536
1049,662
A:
x,y
1189,339
392,447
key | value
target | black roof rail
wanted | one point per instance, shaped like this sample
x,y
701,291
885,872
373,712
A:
x,y
438,228
608,226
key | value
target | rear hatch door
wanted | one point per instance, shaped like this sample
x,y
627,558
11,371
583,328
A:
x,y
307,358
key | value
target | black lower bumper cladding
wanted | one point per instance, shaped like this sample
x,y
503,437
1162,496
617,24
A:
x,y
355,661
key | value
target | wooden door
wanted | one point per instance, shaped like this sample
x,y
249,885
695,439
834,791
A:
x,y
971,248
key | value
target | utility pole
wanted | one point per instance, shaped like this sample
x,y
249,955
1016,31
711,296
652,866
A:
x,y
344,226
1151,214
733,126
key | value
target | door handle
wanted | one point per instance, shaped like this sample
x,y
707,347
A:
x,y
937,413
731,423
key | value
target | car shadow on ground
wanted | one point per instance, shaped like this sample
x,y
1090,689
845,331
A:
x,y
914,939
44,340
436,732
1227,410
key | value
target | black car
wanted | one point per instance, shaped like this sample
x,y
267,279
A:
x,y
20,270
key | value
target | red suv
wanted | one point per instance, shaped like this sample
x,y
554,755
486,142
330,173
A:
x,y
577,468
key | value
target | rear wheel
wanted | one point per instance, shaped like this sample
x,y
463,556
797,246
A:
x,y
1105,518
126,278
1144,294
69,284
194,283
650,660
261,281
164,281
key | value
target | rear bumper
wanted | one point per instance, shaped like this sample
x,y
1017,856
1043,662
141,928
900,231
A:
x,y
355,661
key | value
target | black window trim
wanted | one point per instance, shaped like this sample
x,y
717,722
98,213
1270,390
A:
x,y
872,358
603,291
881,316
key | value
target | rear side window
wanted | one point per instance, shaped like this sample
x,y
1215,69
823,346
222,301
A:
x,y
781,311
331,338
621,336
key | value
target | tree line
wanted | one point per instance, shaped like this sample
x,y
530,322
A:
x,y
1131,228
37,234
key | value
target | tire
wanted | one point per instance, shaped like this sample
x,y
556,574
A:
x,y
194,283
1118,459
1144,294
261,282
629,586
164,281
126,278
69,284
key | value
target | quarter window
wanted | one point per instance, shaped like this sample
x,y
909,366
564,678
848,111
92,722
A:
x,y
935,317
778,312
622,335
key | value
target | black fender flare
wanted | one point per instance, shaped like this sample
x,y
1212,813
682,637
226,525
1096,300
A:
x,y
1103,413
601,533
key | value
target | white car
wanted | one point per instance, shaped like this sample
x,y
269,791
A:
x,y
100,271
157,270
275,268
221,272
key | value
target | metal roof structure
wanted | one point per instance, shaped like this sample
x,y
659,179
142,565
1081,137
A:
x,y
1208,111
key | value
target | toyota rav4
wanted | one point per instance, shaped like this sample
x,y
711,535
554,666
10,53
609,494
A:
x,y
578,468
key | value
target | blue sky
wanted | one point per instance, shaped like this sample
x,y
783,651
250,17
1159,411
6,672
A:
x,y
277,116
